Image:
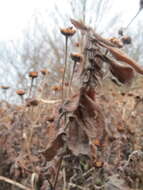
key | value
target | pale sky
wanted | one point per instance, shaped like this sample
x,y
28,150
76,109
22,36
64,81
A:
x,y
16,14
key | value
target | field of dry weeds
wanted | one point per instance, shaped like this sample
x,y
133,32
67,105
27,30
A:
x,y
85,133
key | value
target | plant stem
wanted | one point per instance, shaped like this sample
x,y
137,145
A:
x,y
70,84
133,19
57,174
65,66
30,90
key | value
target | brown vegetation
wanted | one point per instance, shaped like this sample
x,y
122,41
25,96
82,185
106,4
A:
x,y
88,136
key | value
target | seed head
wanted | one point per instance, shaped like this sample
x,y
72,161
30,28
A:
x,y
68,32
20,92
31,102
44,71
56,88
77,44
126,40
76,57
120,128
99,164
33,74
5,87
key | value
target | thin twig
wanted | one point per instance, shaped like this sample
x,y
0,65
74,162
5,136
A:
x,y
50,184
133,19
14,183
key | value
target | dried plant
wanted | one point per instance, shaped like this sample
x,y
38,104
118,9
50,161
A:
x,y
21,93
67,32
93,139
33,75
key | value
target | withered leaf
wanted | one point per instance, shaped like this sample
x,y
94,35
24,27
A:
x,y
54,144
123,57
123,73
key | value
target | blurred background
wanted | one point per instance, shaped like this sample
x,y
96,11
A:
x,y
30,38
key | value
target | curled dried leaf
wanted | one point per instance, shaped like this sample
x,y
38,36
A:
x,y
123,73
123,57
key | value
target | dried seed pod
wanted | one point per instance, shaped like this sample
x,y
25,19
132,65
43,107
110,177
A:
x,y
99,164
130,94
56,88
44,71
33,74
5,87
31,102
77,44
96,142
20,92
68,32
76,57
123,93
138,98
126,40
120,128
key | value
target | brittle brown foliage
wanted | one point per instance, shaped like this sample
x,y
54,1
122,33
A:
x,y
90,140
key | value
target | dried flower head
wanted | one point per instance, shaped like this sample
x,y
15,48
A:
x,y
77,44
138,98
20,92
126,40
56,88
99,164
96,142
123,93
120,128
76,57
44,71
33,74
31,102
68,32
5,87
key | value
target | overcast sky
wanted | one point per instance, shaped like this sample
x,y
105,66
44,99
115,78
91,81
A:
x,y
16,14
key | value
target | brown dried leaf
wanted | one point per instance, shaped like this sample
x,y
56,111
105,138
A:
x,y
123,73
121,56
77,139
55,142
